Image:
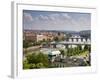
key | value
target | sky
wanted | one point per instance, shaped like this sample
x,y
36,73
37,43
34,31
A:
x,y
50,20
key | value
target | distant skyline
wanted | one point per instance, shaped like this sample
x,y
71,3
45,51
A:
x,y
51,20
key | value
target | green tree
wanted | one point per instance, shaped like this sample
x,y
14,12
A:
x,y
38,58
80,48
86,47
56,38
43,59
25,44
25,65
32,58
62,52
32,66
59,33
39,65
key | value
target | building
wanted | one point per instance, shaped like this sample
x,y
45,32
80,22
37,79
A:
x,y
40,37
53,54
29,35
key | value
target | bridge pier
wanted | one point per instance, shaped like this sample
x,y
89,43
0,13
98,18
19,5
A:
x,y
70,45
66,46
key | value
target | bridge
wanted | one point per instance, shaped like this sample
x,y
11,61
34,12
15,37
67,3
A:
x,y
71,43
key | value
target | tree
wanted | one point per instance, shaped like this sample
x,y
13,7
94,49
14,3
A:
x,y
62,52
38,58
25,65
80,48
89,49
59,33
86,47
49,40
63,38
28,66
31,58
39,65
56,38
69,52
43,40
32,66
25,44
42,58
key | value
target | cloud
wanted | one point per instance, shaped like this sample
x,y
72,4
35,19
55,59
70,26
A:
x,y
58,21
84,21
65,15
53,17
27,18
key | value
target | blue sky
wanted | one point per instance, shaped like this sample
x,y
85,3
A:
x,y
50,20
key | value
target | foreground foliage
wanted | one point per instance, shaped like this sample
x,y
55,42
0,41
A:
x,y
34,60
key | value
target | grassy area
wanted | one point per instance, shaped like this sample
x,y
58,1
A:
x,y
84,54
